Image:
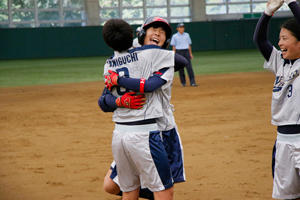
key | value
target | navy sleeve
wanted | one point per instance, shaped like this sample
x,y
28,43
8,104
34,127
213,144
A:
x,y
295,10
180,62
261,36
107,101
152,83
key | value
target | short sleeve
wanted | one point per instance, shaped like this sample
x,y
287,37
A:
x,y
163,59
168,76
275,61
173,42
189,39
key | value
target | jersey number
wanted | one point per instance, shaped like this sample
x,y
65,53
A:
x,y
123,72
290,91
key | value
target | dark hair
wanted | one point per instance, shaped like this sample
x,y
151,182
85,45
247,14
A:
x,y
293,26
117,34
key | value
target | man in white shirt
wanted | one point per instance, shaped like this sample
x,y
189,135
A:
x,y
181,43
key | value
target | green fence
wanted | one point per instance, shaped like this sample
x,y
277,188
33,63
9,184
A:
x,y
87,41
226,35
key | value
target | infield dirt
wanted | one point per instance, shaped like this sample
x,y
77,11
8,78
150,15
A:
x,y
55,142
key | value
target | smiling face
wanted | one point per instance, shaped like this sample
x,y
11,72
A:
x,y
155,36
289,45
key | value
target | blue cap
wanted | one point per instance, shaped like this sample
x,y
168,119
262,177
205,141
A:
x,y
180,25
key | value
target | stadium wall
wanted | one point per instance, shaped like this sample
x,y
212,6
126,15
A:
x,y
19,43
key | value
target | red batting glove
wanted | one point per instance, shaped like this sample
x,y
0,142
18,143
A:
x,y
131,100
111,79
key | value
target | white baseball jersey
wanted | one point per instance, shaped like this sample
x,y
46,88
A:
x,y
167,121
136,43
286,91
141,62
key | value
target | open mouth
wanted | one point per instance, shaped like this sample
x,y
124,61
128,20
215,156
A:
x,y
156,41
283,50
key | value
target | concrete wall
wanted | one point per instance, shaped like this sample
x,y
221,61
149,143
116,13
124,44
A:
x,y
92,12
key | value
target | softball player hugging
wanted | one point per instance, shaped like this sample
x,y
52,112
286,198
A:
x,y
285,64
155,31
136,144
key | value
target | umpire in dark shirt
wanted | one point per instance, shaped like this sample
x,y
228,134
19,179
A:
x,y
181,43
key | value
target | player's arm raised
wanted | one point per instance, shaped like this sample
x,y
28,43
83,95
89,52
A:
x,y
272,6
295,8
260,36
261,30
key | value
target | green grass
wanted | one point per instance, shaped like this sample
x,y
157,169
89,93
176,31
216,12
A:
x,y
230,61
71,70
50,71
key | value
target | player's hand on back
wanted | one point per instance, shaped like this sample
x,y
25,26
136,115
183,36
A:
x,y
111,79
272,6
131,100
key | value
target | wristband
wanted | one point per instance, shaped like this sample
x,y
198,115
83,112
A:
x,y
142,85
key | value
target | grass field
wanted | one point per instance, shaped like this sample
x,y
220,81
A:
x,y
71,70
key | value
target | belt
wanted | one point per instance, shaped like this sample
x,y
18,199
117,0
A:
x,y
182,49
141,122
289,129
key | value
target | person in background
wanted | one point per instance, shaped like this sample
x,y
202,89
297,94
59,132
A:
x,y
181,43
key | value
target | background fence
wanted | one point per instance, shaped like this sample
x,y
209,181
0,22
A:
x,y
87,41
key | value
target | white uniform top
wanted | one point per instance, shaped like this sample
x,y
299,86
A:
x,y
166,122
136,43
286,91
141,62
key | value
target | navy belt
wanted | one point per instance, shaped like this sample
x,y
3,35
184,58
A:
x,y
141,122
289,129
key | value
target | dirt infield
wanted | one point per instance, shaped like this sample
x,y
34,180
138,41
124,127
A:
x,y
55,142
